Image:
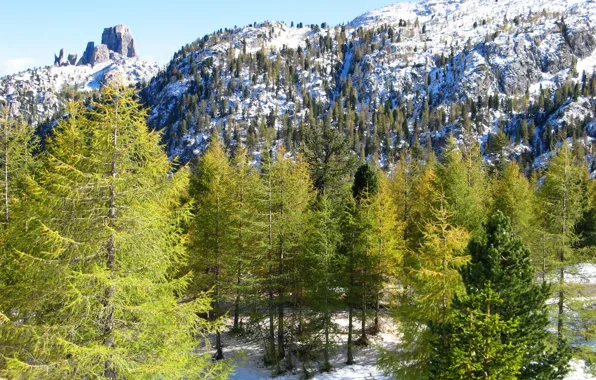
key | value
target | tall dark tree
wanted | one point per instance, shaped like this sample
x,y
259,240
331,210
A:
x,y
499,281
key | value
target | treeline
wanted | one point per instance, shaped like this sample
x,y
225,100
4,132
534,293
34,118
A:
x,y
117,262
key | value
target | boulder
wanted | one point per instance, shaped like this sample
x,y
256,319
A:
x,y
119,39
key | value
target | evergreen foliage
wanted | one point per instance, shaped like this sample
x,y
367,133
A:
x,y
95,244
504,310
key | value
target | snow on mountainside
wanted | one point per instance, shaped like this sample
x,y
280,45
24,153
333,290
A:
x,y
41,92
501,61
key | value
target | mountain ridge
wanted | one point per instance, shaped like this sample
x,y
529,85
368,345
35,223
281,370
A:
x,y
407,74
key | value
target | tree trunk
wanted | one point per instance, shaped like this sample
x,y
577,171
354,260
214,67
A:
x,y
216,294
280,306
271,349
236,326
6,213
561,311
350,358
108,326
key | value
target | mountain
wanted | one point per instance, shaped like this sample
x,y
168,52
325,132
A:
x,y
41,92
521,71
515,75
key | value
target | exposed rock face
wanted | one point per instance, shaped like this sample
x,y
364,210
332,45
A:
x,y
101,53
88,54
116,43
60,60
581,41
119,39
72,59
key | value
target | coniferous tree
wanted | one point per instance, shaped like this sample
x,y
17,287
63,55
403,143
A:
x,y
513,195
18,143
364,191
500,288
350,248
96,242
562,197
328,157
388,243
431,279
469,344
245,182
282,200
323,239
463,182
211,246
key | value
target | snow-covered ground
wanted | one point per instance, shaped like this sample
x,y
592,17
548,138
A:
x,y
39,89
248,355
248,358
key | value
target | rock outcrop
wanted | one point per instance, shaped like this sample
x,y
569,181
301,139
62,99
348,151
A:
x,y
60,60
88,54
119,40
116,42
101,53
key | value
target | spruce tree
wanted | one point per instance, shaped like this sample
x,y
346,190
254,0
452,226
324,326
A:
x,y
96,242
500,291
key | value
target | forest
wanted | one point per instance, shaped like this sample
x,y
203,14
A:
x,y
117,262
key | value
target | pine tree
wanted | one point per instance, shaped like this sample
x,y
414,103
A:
x,y
245,182
18,143
562,197
323,239
211,245
463,182
469,344
96,242
328,157
431,279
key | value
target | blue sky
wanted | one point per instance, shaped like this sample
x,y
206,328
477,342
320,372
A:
x,y
32,31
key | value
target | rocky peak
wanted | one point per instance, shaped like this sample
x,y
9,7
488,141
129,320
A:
x,y
88,54
116,42
119,40
60,59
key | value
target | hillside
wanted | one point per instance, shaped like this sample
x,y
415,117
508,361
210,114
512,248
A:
x,y
410,73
